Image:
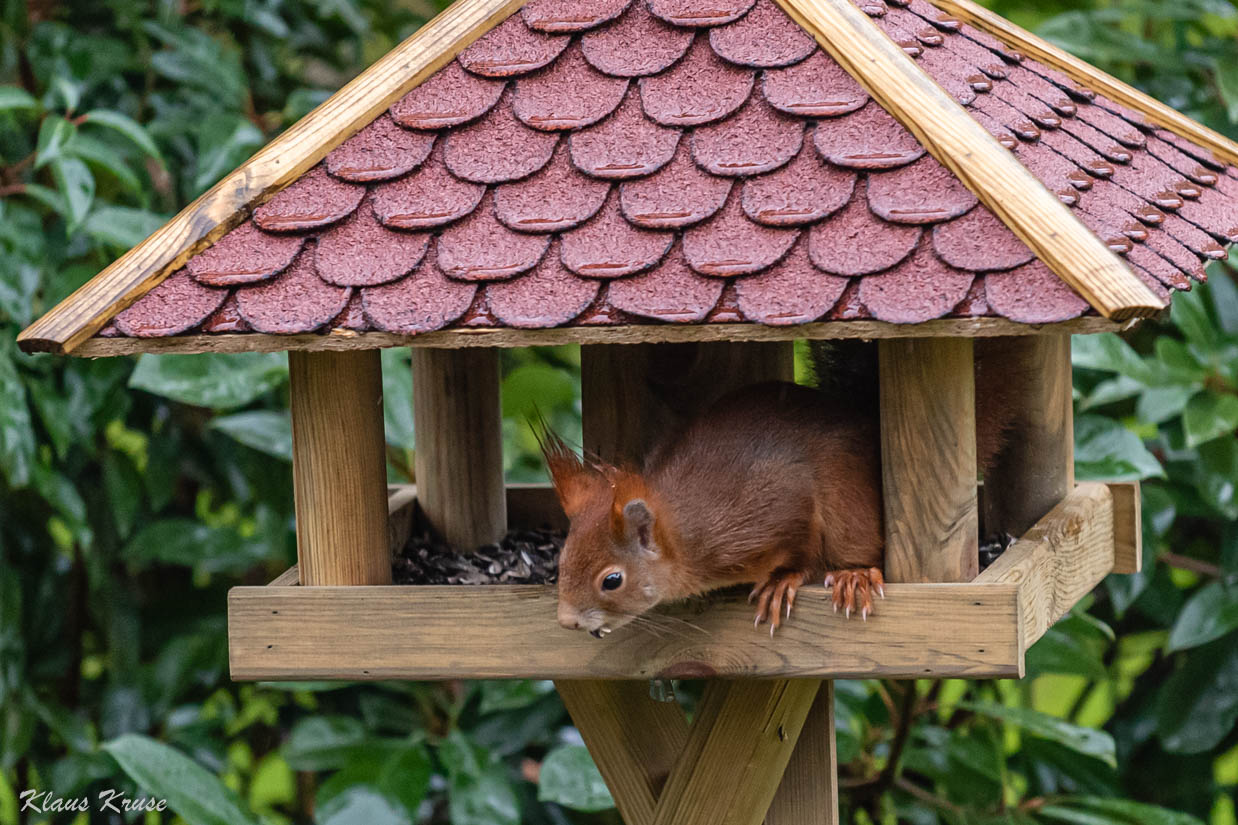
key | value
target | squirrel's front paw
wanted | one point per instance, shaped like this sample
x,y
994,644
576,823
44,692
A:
x,y
774,598
854,589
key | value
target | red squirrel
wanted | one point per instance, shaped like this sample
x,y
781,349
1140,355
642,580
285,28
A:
x,y
776,484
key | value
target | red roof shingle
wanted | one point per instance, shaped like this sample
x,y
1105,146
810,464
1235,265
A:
x,y
606,161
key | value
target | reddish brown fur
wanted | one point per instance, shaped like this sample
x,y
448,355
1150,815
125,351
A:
x,y
776,484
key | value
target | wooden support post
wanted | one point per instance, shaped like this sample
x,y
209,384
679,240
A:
x,y
459,444
928,459
808,793
1030,376
339,467
739,746
633,739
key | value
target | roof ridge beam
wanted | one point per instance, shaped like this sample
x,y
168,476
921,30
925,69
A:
x,y
1090,77
275,166
966,148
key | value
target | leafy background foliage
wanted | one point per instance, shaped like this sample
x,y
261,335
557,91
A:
x,y
133,493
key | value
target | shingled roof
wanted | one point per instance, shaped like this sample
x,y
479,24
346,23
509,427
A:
x,y
603,162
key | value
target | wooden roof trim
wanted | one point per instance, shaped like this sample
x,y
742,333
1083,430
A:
x,y
625,334
1090,77
965,147
282,161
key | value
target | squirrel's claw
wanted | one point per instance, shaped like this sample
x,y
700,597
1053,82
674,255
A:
x,y
775,597
853,590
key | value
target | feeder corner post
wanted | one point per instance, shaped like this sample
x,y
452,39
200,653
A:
x,y
1035,469
928,459
339,467
458,430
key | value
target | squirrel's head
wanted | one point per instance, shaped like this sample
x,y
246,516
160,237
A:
x,y
609,562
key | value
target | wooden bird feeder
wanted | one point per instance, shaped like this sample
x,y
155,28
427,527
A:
x,y
684,188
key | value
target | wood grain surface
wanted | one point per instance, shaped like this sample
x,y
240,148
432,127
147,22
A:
x,y
1060,560
928,459
339,467
502,631
337,340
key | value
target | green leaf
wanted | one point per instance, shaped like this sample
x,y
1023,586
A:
x,y
1087,741
1224,293
1126,811
1110,353
360,804
224,141
536,386
101,155
570,778
512,694
267,431
1159,404
124,125
16,432
1063,651
1209,614
1199,703
324,742
1061,813
1189,312
395,772
478,789
193,544
1104,449
54,133
215,380
1178,364
14,97
1209,415
192,792
398,397
76,184
122,226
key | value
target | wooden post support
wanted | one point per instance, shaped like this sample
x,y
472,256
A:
x,y
739,746
808,793
928,459
339,467
1036,466
633,739
459,444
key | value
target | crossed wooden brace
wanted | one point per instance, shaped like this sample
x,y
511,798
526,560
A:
x,y
758,750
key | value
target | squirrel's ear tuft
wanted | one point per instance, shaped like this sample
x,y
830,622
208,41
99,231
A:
x,y
574,481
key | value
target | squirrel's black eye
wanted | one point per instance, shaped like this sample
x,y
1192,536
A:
x,y
612,581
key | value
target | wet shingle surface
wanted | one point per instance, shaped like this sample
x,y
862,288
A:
x,y
599,161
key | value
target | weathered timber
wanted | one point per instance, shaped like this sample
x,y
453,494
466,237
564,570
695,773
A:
x,y
739,745
342,339
1060,559
633,739
808,793
1127,526
928,460
510,631
339,467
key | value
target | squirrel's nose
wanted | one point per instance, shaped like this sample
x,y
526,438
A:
x,y
568,617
